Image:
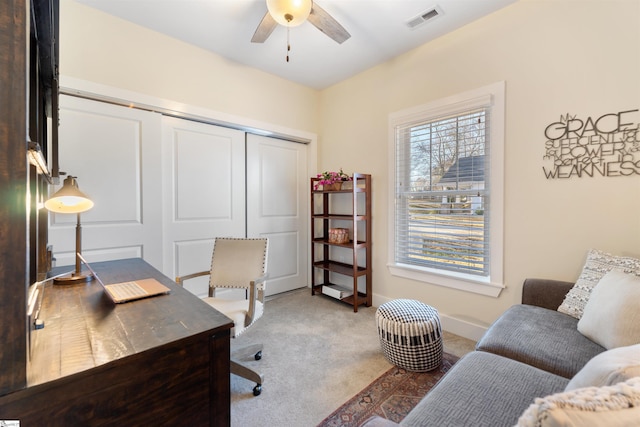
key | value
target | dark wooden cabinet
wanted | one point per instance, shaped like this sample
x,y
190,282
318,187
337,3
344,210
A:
x,y
161,361
347,209
28,94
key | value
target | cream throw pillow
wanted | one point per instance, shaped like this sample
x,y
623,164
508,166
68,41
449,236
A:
x,y
608,368
611,406
611,318
598,263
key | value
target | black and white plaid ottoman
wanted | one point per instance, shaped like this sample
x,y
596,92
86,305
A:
x,y
410,334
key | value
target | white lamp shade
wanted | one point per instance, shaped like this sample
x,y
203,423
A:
x,y
69,199
296,11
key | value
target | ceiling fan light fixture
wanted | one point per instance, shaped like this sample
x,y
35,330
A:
x,y
289,13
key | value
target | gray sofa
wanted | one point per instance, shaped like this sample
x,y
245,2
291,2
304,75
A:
x,y
531,351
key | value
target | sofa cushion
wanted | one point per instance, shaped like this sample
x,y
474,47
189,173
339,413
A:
x,y
483,389
598,263
612,316
611,406
608,368
546,339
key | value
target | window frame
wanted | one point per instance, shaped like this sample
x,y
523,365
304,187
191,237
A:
x,y
492,96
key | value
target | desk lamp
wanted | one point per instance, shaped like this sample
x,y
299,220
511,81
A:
x,y
69,199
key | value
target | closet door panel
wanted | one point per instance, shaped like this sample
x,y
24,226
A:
x,y
203,176
277,206
204,196
114,152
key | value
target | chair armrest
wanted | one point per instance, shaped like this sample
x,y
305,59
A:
x,y
546,293
256,291
259,281
180,279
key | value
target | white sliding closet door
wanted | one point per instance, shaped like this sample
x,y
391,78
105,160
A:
x,y
115,153
204,194
277,207
165,187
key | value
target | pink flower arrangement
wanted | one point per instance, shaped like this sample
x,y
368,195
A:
x,y
328,178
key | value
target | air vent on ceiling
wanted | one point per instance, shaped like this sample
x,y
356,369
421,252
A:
x,y
425,16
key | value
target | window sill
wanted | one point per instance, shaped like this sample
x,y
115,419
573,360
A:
x,y
452,280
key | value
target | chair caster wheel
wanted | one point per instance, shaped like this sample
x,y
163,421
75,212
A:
x,y
258,355
257,390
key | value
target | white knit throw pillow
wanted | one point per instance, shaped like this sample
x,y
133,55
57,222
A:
x,y
611,406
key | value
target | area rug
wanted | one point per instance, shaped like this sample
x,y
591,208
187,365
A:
x,y
391,396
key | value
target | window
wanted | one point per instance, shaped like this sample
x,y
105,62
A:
x,y
447,172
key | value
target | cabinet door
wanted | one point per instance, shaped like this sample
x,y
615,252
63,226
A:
x,y
277,208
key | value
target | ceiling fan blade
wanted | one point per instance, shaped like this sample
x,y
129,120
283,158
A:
x,y
325,23
264,30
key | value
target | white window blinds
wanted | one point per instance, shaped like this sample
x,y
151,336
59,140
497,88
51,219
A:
x,y
443,192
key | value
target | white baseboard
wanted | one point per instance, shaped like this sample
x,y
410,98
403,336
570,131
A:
x,y
462,328
456,326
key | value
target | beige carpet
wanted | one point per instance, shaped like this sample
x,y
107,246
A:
x,y
317,354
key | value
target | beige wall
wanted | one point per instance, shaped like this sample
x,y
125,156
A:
x,y
100,48
556,57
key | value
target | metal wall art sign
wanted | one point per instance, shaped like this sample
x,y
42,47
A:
x,y
606,146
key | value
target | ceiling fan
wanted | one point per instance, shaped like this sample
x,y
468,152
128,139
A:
x,y
291,13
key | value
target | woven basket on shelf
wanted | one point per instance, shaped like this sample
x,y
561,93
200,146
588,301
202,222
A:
x,y
338,235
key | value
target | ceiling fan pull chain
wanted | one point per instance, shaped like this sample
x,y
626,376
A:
x,y
288,44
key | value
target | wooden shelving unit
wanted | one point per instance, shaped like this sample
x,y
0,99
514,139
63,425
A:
x,y
355,261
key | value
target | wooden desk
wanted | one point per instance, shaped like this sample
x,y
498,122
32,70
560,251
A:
x,y
157,361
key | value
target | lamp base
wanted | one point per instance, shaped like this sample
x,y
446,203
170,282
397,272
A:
x,y
73,279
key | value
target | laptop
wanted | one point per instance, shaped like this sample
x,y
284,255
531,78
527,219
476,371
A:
x,y
129,291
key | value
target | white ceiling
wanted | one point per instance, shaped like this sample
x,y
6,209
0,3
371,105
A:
x,y
378,31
